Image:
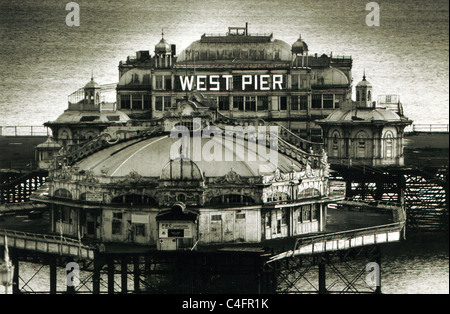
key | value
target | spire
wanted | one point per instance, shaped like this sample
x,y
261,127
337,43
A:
x,y
162,33
364,75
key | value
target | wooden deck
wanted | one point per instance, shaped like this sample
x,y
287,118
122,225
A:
x,y
352,224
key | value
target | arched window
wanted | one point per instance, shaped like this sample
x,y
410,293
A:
x,y
357,95
309,192
335,141
181,198
388,141
136,199
232,199
361,144
62,193
279,196
369,96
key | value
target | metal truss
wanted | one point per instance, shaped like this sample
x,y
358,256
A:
x,y
333,272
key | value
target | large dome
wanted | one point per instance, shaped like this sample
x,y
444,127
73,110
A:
x,y
150,157
362,115
277,50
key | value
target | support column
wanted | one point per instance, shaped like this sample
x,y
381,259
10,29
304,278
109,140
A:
x,y
96,274
124,274
136,274
348,188
110,275
322,276
379,190
53,276
15,284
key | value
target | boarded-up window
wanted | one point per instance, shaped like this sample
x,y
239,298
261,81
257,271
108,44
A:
x,y
240,216
116,224
216,217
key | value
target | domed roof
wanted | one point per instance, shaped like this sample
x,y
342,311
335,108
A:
x,y
364,82
181,170
92,84
49,143
163,46
299,46
329,76
224,50
362,115
76,117
152,158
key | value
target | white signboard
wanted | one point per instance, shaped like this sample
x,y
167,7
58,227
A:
x,y
139,219
175,229
94,197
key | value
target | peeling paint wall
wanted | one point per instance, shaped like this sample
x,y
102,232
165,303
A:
x,y
229,225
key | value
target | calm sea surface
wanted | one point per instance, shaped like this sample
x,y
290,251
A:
x,y
42,61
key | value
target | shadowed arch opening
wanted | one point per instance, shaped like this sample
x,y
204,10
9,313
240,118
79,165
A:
x,y
232,199
136,199
63,193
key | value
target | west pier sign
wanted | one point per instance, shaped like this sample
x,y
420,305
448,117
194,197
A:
x,y
227,82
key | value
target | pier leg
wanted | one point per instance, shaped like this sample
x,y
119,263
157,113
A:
x,y
52,276
136,274
15,285
322,277
96,275
124,274
110,275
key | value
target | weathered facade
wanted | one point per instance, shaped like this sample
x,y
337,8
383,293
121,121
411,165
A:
x,y
361,133
134,191
243,75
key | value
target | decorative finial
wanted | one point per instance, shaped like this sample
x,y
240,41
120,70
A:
x,y
364,75
92,75
162,33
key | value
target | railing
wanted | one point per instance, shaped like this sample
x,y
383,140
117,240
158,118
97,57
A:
x,y
373,202
104,140
297,140
78,95
428,128
344,240
24,130
289,136
240,34
46,243
341,57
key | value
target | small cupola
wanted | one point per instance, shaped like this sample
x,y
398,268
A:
x,y
163,53
364,93
91,94
300,53
299,47
46,152
163,47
